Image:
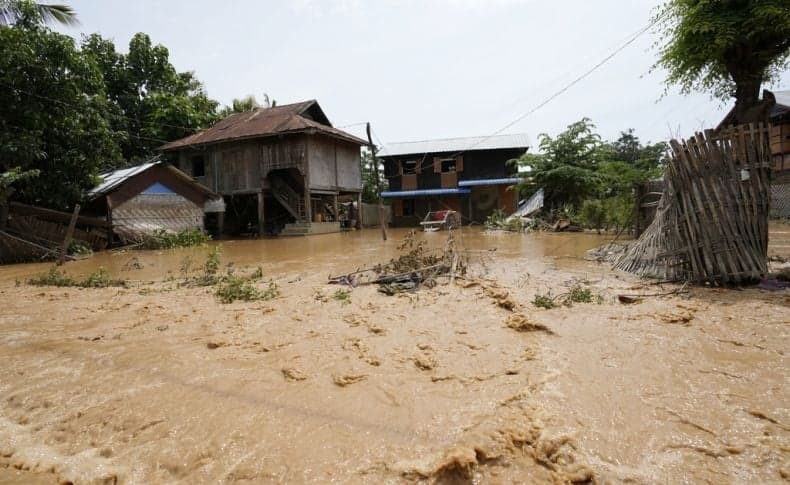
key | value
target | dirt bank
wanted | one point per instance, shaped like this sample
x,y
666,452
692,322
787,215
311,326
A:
x,y
159,383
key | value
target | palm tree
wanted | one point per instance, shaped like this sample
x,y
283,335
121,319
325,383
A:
x,y
12,10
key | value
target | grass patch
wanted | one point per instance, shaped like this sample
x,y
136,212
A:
x,y
55,277
577,293
544,300
343,296
164,239
232,287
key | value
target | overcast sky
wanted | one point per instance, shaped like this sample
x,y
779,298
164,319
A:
x,y
422,69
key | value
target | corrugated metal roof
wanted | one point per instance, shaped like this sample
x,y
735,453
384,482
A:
x,y
474,183
519,140
113,180
782,103
425,192
287,118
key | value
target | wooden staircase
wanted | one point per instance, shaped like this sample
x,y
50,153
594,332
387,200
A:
x,y
289,198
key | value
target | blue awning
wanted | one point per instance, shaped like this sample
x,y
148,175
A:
x,y
425,193
474,183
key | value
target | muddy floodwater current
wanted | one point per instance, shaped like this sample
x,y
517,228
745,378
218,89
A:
x,y
160,382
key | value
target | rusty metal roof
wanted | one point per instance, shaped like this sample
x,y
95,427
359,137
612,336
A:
x,y
287,118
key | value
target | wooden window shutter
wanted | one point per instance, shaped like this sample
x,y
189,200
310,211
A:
x,y
459,163
397,208
437,165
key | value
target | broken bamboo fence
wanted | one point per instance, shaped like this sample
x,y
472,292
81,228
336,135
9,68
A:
x,y
711,225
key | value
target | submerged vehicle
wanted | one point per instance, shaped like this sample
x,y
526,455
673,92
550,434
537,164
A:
x,y
436,220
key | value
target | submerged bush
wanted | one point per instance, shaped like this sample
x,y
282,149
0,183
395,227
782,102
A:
x,y
232,288
164,239
55,277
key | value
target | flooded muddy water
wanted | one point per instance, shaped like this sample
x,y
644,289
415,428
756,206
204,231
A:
x,y
160,382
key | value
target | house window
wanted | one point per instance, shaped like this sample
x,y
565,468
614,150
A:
x,y
409,167
408,207
448,165
198,166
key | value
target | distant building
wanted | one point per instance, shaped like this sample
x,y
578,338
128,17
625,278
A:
x,y
780,150
467,175
281,169
137,201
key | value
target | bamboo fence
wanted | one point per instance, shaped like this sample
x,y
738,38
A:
x,y
711,224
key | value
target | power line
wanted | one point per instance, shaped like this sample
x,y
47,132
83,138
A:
x,y
556,94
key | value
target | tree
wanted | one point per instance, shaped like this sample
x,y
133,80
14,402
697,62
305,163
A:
x,y
9,178
247,103
54,115
370,185
567,166
727,47
151,102
11,11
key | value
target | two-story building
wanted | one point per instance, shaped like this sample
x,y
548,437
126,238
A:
x,y
279,169
471,176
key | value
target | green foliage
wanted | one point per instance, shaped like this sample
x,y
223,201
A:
x,y
11,176
566,167
11,11
164,239
152,103
54,115
55,277
498,220
593,214
544,300
584,176
79,248
343,296
728,48
233,287
247,103
579,294
100,279
370,184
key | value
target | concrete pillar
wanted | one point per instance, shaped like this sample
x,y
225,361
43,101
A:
x,y
337,214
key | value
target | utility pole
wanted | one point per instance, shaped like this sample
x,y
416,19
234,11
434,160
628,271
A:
x,y
378,184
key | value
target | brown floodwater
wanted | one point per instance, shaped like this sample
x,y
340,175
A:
x,y
162,383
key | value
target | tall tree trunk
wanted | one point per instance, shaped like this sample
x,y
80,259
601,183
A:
x,y
749,108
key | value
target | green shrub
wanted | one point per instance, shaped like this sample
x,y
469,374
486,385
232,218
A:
x,y
100,279
232,288
544,300
165,239
55,277
593,214
343,296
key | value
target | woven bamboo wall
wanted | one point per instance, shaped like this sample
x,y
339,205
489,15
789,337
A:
x,y
146,213
711,224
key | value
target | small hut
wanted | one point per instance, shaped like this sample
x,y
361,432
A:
x,y
137,201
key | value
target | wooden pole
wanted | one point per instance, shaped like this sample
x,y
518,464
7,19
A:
x,y
378,184
3,216
69,232
261,215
